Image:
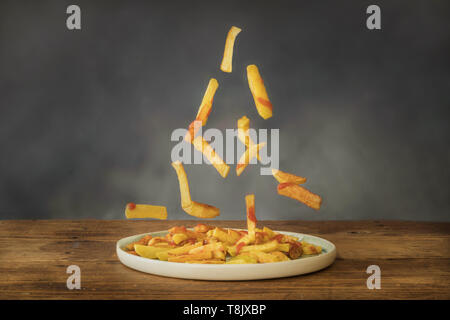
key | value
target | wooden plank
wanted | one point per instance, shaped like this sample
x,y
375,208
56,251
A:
x,y
413,256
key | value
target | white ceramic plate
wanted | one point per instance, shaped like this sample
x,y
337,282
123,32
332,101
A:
x,y
305,264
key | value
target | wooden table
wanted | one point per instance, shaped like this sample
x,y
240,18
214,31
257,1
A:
x,y
34,254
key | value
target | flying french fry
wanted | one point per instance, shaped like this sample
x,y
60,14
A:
x,y
249,154
283,177
226,65
256,84
184,185
296,192
204,110
243,133
196,209
251,218
133,211
202,210
203,146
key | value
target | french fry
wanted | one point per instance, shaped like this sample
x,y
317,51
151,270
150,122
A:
x,y
179,237
184,249
202,228
251,218
148,251
188,257
256,84
310,249
296,192
203,111
295,250
226,65
284,177
133,211
184,185
266,247
249,154
264,257
203,146
202,210
162,255
205,107
196,209
280,256
243,133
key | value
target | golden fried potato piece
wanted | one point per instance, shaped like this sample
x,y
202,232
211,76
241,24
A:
x,y
205,254
280,256
243,126
296,192
283,177
226,65
264,257
202,210
251,218
133,211
309,248
148,251
203,146
184,249
256,84
202,228
249,154
184,185
196,209
203,111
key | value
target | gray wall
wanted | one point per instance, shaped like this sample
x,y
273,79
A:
x,y
86,116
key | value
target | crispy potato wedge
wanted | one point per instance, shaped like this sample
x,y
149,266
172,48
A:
x,y
258,89
203,146
301,194
227,65
283,177
133,211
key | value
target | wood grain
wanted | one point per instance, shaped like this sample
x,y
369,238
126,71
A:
x,y
414,259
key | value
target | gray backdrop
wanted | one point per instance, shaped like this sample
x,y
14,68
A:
x,y
86,116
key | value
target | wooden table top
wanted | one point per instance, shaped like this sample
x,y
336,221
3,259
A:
x,y
414,258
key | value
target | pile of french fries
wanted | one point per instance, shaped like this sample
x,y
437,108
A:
x,y
206,244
